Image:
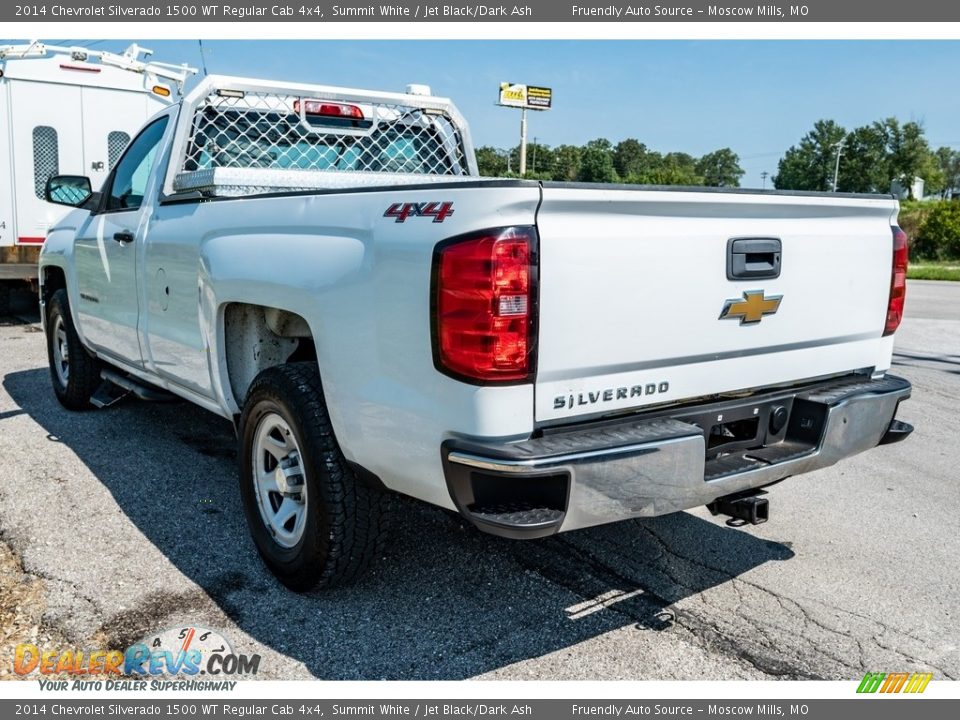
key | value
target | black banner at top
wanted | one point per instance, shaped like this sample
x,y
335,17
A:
x,y
300,11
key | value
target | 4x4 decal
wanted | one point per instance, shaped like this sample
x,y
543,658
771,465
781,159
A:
x,y
439,211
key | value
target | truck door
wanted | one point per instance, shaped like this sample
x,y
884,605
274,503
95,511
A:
x,y
107,246
47,141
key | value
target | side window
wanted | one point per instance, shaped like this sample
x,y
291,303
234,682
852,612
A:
x,y
133,169
116,142
46,157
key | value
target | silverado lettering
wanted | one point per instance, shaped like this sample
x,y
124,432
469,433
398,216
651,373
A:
x,y
609,395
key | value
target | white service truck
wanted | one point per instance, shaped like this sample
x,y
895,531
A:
x,y
65,110
323,267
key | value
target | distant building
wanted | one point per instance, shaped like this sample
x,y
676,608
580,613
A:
x,y
916,189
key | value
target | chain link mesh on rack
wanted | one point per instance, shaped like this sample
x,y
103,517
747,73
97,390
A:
x,y
261,130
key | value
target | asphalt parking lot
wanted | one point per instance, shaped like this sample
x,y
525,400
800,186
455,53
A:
x,y
128,520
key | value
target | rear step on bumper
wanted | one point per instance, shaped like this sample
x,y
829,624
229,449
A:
x,y
641,467
897,431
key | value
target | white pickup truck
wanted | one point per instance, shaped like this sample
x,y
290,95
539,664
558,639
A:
x,y
323,267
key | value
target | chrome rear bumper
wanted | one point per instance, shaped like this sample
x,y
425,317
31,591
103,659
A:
x,y
649,466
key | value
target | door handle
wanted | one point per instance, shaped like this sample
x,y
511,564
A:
x,y
123,237
753,258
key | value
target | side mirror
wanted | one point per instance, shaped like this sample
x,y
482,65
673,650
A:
x,y
72,190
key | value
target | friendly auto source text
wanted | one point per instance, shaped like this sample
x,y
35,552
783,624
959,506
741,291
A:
x,y
616,11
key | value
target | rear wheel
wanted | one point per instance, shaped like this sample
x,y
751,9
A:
x,y
75,373
314,523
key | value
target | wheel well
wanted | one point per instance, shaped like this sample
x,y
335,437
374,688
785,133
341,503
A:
x,y
258,337
53,280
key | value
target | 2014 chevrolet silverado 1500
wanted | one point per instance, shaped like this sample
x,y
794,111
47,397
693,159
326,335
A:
x,y
324,267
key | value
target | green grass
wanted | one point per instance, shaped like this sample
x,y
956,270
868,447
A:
x,y
949,270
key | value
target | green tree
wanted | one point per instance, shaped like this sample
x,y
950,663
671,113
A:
x,y
650,171
539,158
596,162
566,162
678,168
671,169
631,157
721,168
949,161
865,162
810,164
910,155
490,161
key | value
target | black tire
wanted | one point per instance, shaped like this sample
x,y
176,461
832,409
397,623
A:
x,y
4,298
83,369
344,524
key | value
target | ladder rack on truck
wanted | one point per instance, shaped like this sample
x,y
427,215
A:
x,y
66,110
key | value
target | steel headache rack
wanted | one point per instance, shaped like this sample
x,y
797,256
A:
x,y
245,137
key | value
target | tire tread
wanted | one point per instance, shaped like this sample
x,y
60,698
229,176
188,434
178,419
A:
x,y
84,368
356,514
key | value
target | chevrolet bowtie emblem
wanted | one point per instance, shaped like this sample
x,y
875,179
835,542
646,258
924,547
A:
x,y
751,308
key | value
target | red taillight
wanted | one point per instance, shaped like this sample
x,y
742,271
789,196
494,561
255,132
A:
x,y
484,306
898,282
328,109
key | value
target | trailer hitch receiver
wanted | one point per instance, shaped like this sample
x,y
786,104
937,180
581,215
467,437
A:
x,y
742,508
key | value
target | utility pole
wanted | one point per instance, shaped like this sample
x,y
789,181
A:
x,y
534,154
764,175
523,142
505,155
836,169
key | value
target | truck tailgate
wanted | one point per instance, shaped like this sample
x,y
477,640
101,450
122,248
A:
x,y
633,283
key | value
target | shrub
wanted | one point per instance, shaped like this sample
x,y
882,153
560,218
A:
x,y
911,217
938,237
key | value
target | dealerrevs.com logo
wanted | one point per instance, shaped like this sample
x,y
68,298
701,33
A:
x,y
888,683
184,652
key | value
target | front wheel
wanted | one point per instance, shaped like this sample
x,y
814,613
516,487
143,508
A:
x,y
315,524
75,372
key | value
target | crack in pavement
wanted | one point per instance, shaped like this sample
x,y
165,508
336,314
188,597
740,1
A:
x,y
790,606
647,609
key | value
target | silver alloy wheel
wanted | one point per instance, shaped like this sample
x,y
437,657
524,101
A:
x,y
278,480
61,351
